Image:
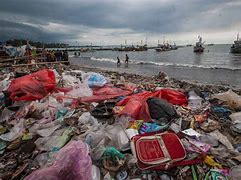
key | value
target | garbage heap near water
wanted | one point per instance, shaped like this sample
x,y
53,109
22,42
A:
x,y
71,124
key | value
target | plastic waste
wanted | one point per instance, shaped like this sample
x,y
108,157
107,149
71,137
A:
x,y
131,132
136,124
54,142
4,83
48,131
95,79
209,140
236,117
211,162
222,139
86,118
112,159
236,128
105,93
117,136
137,107
210,125
6,114
33,86
80,90
72,162
235,173
214,174
194,101
150,127
191,132
230,97
2,145
95,173
69,80
14,133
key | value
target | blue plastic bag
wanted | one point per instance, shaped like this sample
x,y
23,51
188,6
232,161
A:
x,y
96,80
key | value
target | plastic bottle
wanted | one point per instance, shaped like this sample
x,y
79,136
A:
x,y
194,101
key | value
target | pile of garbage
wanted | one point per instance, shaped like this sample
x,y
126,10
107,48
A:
x,y
71,124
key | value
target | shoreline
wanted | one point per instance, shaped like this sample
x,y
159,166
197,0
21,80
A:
x,y
156,81
221,77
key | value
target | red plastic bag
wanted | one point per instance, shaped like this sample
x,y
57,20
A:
x,y
104,93
172,96
137,108
34,86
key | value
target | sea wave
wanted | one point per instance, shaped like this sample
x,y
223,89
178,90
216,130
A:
x,y
168,64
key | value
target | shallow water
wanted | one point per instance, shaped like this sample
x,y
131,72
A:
x,y
215,66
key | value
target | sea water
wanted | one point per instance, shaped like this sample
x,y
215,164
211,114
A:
x,y
215,66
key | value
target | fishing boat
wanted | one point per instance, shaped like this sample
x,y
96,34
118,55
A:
x,y
174,46
236,47
199,45
163,47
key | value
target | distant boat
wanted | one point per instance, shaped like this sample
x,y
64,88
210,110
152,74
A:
x,y
210,44
174,47
132,48
163,47
188,45
236,47
199,45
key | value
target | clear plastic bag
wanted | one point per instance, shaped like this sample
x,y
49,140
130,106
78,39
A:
x,y
80,90
15,132
232,99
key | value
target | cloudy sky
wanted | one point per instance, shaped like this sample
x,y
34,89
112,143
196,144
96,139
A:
x,y
114,21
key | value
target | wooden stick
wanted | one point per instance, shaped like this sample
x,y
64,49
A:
x,y
41,63
18,58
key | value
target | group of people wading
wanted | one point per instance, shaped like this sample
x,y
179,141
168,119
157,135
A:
x,y
126,61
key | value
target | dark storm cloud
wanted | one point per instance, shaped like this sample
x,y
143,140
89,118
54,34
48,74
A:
x,y
150,16
10,30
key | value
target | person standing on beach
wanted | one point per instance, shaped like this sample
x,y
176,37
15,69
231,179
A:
x,y
127,60
118,62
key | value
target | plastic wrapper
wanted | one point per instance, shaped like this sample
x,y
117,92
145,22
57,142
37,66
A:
x,y
230,97
4,83
71,163
222,139
86,118
48,131
14,133
54,142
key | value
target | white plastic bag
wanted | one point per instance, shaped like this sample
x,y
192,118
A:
x,y
69,80
80,90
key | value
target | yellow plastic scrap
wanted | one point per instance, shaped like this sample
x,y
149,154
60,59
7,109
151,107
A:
x,y
210,161
192,123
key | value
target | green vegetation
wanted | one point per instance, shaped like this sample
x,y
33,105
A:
x,y
20,42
